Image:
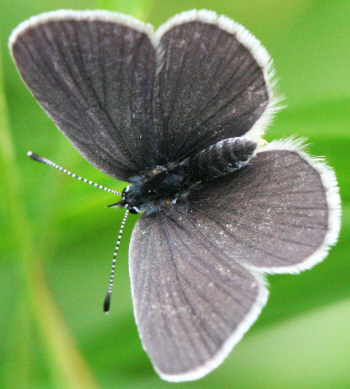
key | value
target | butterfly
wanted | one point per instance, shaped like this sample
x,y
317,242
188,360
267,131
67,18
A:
x,y
179,113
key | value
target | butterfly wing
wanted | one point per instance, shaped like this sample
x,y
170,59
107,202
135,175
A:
x,y
192,303
196,273
213,83
93,74
128,99
279,214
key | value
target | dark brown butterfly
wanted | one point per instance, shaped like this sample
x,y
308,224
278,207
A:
x,y
179,113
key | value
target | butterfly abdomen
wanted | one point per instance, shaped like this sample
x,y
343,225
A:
x,y
221,158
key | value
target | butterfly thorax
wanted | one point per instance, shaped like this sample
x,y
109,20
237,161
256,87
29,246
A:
x,y
163,186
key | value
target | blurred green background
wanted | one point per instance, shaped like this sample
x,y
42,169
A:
x,y
57,237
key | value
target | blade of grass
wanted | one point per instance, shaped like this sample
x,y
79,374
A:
x,y
68,367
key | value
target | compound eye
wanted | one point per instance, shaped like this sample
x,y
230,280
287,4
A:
x,y
125,191
134,210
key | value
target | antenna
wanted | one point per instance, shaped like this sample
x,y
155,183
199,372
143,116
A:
x,y
107,301
45,161
50,163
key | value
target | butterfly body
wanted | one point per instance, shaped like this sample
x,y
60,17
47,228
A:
x,y
165,185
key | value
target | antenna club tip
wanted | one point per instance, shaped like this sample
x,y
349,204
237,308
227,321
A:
x,y
36,157
107,304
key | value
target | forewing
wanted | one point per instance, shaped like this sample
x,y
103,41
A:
x,y
279,214
192,303
93,74
212,83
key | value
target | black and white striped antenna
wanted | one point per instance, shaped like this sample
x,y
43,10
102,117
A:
x,y
107,301
65,171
